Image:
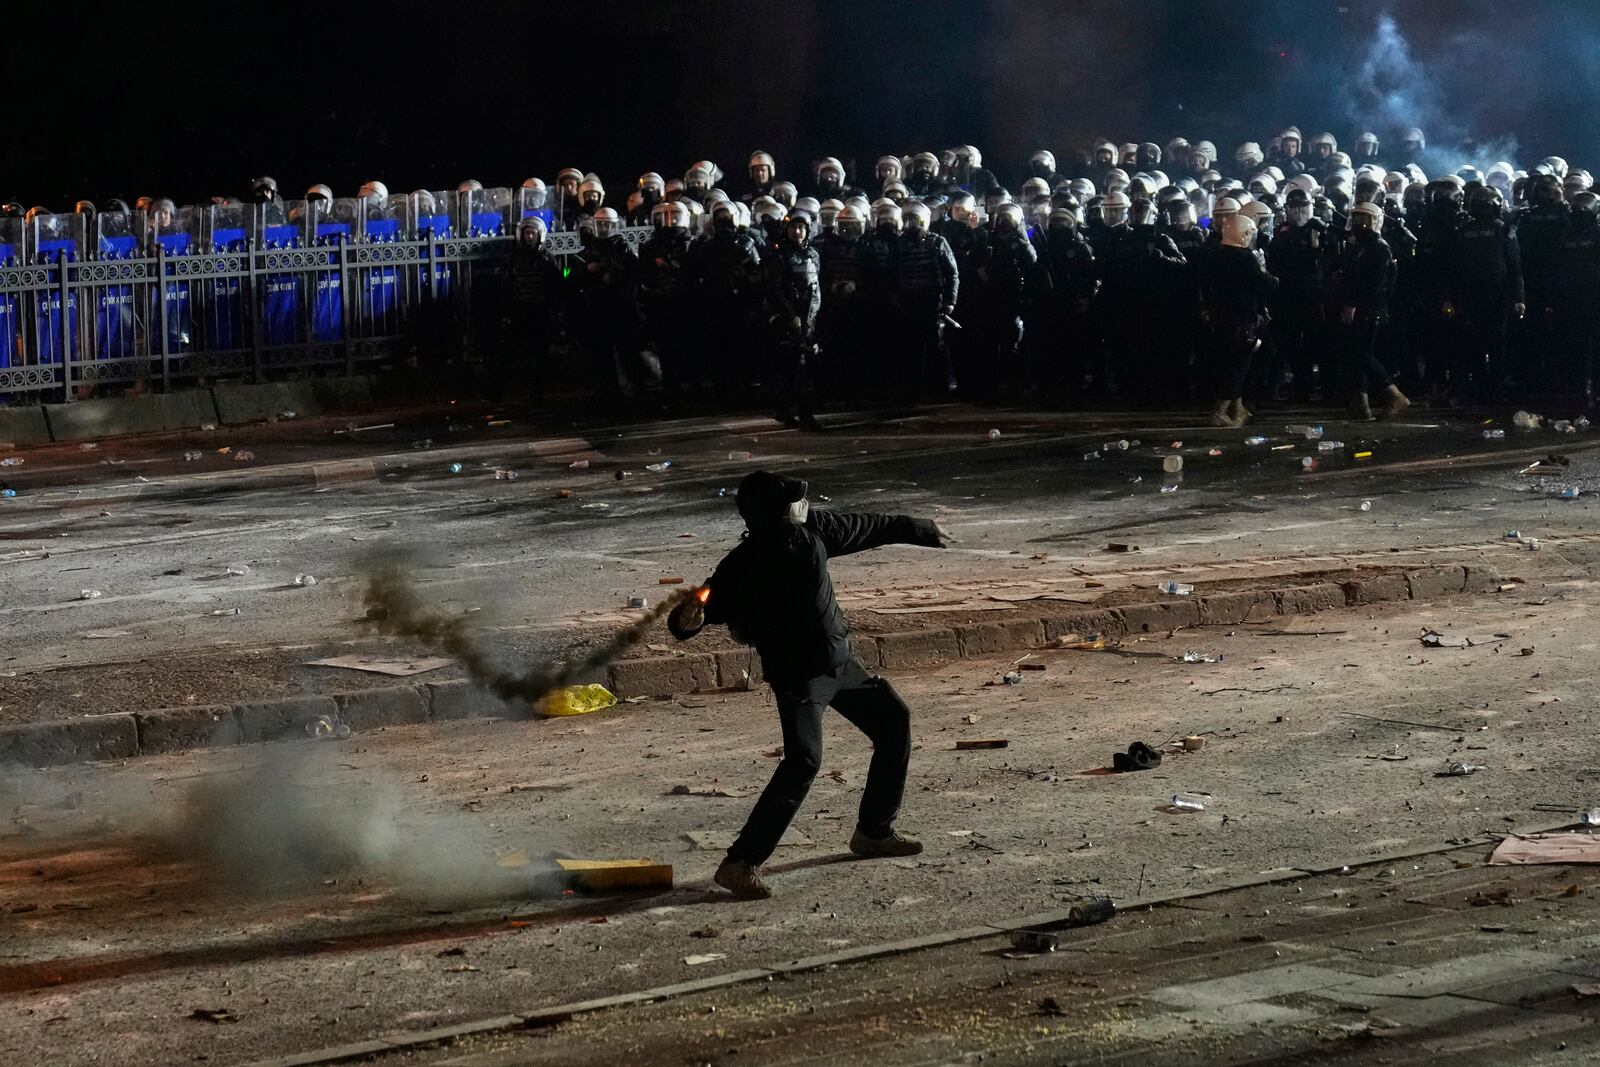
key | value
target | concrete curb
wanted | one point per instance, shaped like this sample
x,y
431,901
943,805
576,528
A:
x,y
121,736
560,1013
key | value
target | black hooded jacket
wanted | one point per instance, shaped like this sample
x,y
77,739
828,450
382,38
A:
x,y
773,591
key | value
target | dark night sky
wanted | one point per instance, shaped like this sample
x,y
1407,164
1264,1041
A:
x,y
192,100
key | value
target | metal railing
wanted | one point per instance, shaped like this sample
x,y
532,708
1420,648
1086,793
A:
x,y
78,317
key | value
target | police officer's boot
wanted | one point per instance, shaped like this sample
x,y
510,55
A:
x,y
1394,402
1361,408
1221,417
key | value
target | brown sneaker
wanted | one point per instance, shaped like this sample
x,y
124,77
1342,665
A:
x,y
742,880
894,845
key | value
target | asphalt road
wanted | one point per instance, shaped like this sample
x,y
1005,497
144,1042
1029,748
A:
x,y
156,535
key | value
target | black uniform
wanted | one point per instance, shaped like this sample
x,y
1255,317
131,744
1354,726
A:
x,y
1298,257
841,323
1141,274
605,275
1434,293
726,266
1541,232
1361,281
966,245
665,298
1577,296
1065,342
794,298
1488,281
1234,288
1007,279
536,298
773,591
926,285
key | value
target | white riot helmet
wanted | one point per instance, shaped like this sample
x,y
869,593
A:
x,y
1258,213
1248,155
536,193
828,212
765,207
1224,208
831,168
1303,182
896,191
1203,154
651,180
963,209
1035,187
375,191
785,193
1239,231
606,222
1368,216
1500,176
591,193
1043,160
916,216
697,177
809,205
1116,179
1114,207
1321,141
661,215
471,185
319,192
532,230
1082,188
850,221
713,171
1263,185
759,160
1008,212
888,169
886,212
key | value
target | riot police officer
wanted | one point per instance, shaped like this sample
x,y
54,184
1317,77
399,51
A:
x,y
926,287
1298,256
1234,288
605,277
651,191
536,300
794,295
664,297
726,266
1577,309
1361,293
1060,334
1542,230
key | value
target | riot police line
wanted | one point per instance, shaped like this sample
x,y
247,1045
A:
x,y
1130,275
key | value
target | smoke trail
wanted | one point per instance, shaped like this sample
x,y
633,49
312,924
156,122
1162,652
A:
x,y
1395,90
395,607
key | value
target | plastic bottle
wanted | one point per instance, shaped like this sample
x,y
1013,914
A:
x,y
1169,487
1581,422
1172,464
1308,463
577,700
305,579
1257,440
11,461
739,455
1562,426
1366,505
455,468
1189,801
1310,433
505,475
663,465
1115,446
224,611
994,435
1176,588
1590,817
90,594
1012,678
579,465
1571,492
1494,435
1330,446
8,493
321,726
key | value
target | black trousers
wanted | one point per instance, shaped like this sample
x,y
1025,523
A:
x,y
874,708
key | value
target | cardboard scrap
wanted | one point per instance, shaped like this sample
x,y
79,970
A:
x,y
397,668
1547,848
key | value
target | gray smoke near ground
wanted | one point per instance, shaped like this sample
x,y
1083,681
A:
x,y
297,816
290,817
395,606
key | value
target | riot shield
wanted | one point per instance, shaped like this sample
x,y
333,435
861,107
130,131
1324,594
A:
x,y
333,223
483,212
283,301
56,240
378,284
176,233
118,237
10,303
534,204
228,230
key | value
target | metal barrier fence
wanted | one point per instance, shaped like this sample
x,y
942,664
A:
x,y
172,296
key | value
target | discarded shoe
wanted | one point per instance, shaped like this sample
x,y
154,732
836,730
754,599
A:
x,y
1139,757
895,844
742,880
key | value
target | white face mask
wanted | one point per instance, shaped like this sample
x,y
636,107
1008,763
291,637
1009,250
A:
x,y
799,511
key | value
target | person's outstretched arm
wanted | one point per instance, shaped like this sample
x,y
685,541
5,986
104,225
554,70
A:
x,y
845,532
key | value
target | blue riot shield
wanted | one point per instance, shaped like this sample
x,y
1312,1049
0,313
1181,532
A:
x,y
56,240
118,236
333,223
176,233
283,303
10,303
227,229
531,204
382,286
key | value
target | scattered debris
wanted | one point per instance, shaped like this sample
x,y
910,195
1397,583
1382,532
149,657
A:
x,y
1189,802
1012,678
1460,770
704,957
396,668
685,790
213,1015
1139,757
1193,743
576,700
990,742
1201,657
675,579
971,719
1435,639
1545,848
1486,898
1175,588
1119,546
1035,941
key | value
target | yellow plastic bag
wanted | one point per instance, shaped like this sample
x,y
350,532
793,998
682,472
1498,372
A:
x,y
577,700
